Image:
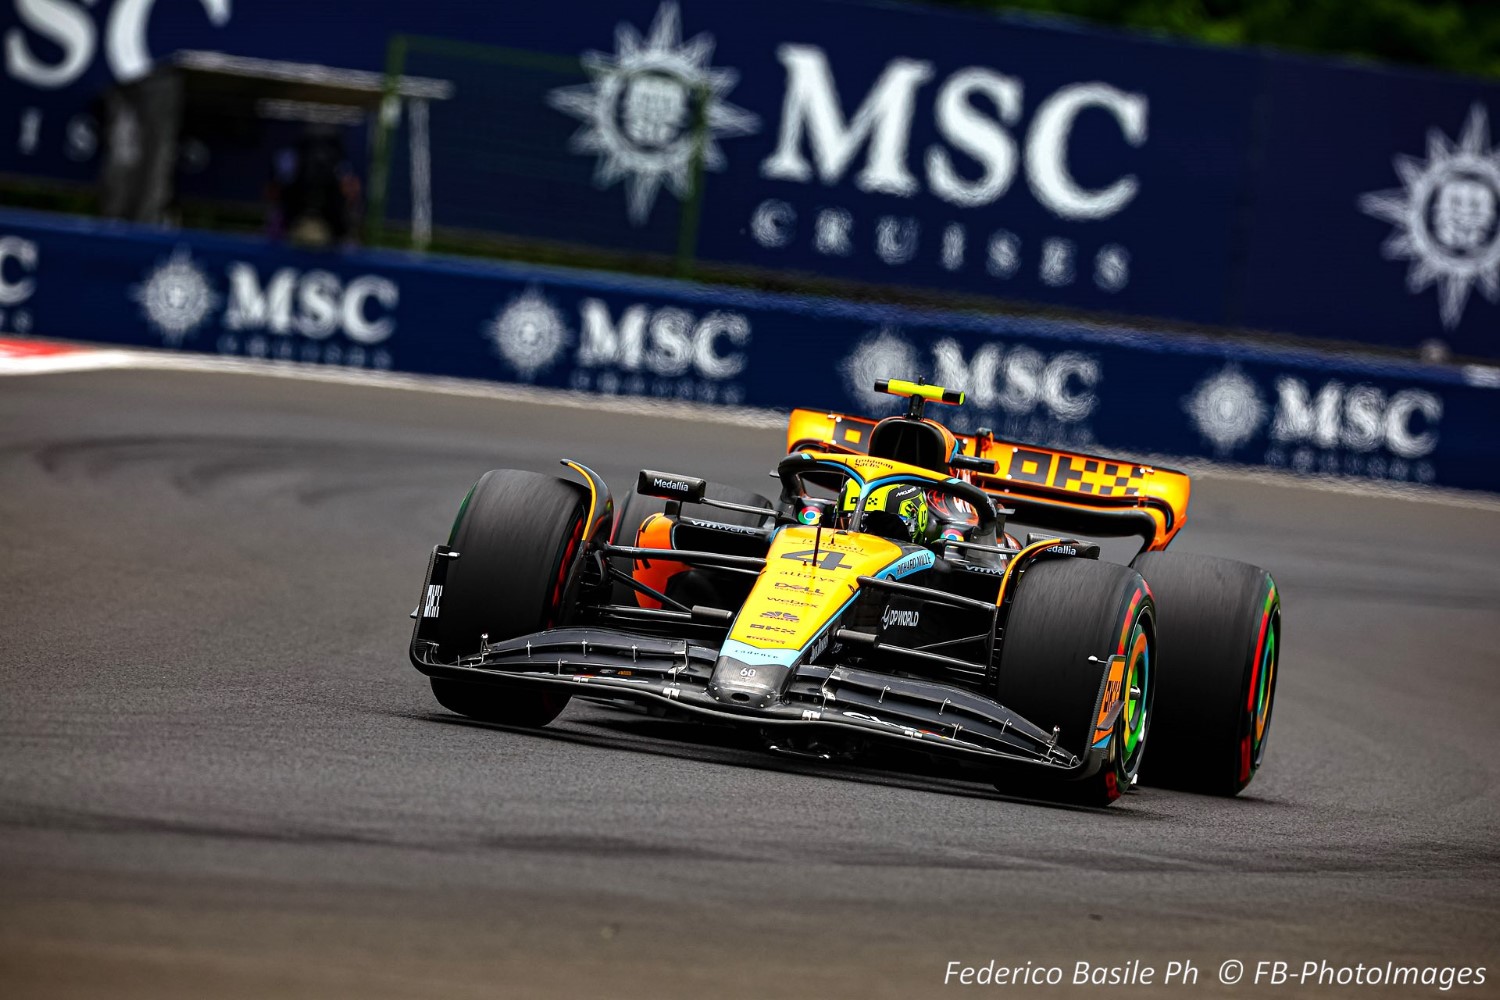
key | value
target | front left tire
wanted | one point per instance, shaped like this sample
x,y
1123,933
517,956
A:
x,y
517,534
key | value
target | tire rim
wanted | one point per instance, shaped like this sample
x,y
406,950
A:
x,y
1262,688
1137,689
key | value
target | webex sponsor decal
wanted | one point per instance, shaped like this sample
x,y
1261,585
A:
x,y
288,314
639,349
1321,425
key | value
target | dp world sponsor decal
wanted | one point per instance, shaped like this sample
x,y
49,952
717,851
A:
x,y
652,109
1447,217
1020,391
1315,425
634,349
19,258
287,314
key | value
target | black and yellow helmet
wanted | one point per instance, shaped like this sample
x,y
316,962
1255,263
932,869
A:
x,y
905,503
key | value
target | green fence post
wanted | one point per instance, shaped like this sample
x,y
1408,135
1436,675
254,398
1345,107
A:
x,y
380,166
692,208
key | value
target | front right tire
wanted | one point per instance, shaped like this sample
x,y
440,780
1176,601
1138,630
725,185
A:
x,y
1069,616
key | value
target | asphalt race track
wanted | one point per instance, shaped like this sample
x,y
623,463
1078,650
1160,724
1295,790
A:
x,y
219,777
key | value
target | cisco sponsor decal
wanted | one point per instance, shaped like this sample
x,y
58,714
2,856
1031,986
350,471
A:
x,y
287,314
1315,425
1447,217
19,258
1017,390
637,349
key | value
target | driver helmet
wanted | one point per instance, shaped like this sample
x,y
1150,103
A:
x,y
898,511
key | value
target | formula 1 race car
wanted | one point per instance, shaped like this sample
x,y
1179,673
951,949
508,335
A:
x,y
879,598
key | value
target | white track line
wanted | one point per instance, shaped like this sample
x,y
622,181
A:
x,y
88,359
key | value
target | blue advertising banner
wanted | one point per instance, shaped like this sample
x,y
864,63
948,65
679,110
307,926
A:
x,y
885,144
1046,382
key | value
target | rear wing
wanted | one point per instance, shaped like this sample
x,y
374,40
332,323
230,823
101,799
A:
x,y
1048,488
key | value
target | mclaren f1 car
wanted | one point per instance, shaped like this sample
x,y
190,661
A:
x,y
881,597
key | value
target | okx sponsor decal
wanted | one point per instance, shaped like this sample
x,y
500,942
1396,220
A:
x,y
631,348
1315,424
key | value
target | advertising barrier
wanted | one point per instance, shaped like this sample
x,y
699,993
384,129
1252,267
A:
x,y
1045,382
882,143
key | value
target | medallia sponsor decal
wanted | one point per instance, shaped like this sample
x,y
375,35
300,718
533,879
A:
x,y
18,267
1016,390
640,113
291,315
639,350
1331,428
1447,217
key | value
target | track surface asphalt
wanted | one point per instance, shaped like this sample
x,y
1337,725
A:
x,y
220,777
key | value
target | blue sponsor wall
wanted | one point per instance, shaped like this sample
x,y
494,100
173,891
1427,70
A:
x,y
890,144
1083,387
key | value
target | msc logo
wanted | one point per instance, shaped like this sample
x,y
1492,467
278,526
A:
x,y
1357,429
314,304
662,342
1016,380
18,259
177,298
1447,217
639,112
18,264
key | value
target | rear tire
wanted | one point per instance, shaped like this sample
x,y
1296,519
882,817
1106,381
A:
x,y
1065,611
516,535
1220,628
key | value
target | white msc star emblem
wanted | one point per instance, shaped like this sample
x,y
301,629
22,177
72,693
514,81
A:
x,y
882,354
176,297
1226,409
639,112
1448,217
529,333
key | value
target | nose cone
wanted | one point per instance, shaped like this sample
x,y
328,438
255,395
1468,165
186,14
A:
x,y
737,683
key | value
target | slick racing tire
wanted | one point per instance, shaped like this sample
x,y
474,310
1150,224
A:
x,y
491,703
1220,631
635,508
517,535
1066,611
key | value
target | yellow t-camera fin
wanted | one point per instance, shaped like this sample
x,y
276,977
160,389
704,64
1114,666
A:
x,y
936,393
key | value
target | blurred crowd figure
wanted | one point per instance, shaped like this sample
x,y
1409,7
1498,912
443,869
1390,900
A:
x,y
313,194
